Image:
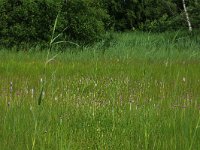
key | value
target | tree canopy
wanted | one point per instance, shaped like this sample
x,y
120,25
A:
x,y
86,21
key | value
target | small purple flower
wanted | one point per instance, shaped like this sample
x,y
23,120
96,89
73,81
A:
x,y
11,87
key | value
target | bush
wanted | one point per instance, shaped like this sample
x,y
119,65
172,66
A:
x,y
146,15
84,20
194,12
25,21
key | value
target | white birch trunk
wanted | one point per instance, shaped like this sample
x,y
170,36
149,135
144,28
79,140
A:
x,y
187,16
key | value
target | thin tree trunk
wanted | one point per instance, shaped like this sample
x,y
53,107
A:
x,y
187,16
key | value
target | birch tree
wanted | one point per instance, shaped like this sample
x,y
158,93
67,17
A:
x,y
187,16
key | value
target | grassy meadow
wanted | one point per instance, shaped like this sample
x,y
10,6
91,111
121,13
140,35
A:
x,y
141,92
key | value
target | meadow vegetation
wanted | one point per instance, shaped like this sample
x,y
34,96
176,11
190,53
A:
x,y
137,91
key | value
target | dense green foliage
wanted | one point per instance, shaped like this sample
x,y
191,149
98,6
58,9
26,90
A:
x,y
24,21
83,20
130,14
151,15
86,21
32,21
194,10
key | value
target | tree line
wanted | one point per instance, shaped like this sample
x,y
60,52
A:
x,y
86,21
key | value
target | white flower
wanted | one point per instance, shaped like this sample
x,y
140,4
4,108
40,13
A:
x,y
32,92
11,86
56,98
31,108
166,63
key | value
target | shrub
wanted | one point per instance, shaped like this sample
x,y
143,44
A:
x,y
194,12
25,21
145,15
84,20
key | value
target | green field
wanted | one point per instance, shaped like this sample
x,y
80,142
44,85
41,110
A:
x,y
141,92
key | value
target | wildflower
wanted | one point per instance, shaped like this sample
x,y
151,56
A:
x,y
61,120
32,93
31,108
11,86
56,98
43,93
166,64
8,104
95,84
130,108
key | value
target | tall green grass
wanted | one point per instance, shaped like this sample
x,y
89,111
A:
x,y
142,92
